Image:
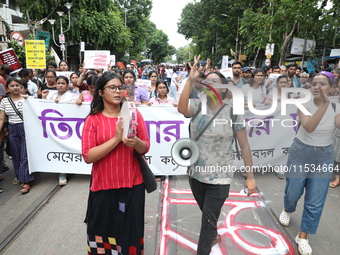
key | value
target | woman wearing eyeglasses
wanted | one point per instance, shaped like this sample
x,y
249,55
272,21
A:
x,y
256,87
115,212
161,95
310,161
50,84
282,82
209,187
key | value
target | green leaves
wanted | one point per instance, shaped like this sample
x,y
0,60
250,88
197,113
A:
x,y
212,24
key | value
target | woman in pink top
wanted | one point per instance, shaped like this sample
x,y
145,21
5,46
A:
x,y
87,95
115,212
161,95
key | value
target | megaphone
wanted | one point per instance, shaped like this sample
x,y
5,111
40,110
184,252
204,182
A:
x,y
185,152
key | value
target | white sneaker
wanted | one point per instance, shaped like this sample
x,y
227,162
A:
x,y
62,180
284,218
303,244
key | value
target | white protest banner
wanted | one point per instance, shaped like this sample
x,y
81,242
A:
x,y
53,136
225,60
65,73
227,73
165,126
145,84
112,60
270,137
96,59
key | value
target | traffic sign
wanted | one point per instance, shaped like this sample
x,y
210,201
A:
x,y
61,38
16,36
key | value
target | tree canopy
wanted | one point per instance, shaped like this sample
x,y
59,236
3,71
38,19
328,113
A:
x,y
220,26
101,24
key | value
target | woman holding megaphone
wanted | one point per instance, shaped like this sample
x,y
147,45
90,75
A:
x,y
209,186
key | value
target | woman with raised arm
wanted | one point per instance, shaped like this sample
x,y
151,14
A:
x,y
211,189
310,161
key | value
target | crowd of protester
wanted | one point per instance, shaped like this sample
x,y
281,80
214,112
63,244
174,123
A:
x,y
175,86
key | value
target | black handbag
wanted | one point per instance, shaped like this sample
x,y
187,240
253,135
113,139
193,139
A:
x,y
149,178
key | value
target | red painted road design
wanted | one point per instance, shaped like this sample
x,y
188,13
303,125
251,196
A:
x,y
230,229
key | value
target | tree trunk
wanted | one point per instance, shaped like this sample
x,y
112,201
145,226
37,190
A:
x,y
285,44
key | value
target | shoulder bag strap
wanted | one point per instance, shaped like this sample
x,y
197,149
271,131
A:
x,y
233,119
206,126
15,108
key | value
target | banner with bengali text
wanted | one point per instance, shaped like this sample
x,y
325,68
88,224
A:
x,y
53,135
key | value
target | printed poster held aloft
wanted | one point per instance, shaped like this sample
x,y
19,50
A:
x,y
9,57
96,59
35,54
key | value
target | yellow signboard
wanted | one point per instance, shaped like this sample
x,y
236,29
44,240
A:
x,y
242,57
35,54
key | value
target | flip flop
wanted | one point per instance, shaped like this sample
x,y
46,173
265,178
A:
x,y
25,188
334,183
1,189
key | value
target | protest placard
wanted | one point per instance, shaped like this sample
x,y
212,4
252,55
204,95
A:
x,y
35,54
96,59
9,57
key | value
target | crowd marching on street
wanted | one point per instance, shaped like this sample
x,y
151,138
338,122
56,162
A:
x,y
115,213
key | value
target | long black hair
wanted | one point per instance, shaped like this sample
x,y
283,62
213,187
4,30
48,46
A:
x,y
130,72
161,82
97,104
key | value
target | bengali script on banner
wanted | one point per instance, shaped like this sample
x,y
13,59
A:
x,y
53,135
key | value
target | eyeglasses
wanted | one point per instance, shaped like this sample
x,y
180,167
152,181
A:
x,y
114,88
212,80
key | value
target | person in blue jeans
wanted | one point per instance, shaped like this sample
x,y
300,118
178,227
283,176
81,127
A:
x,y
311,159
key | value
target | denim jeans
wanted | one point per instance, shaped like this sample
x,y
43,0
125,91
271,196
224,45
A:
x,y
210,199
310,169
173,91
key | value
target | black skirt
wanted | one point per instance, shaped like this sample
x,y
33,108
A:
x,y
115,221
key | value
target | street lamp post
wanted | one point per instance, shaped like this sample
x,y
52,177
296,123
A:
x,y
238,24
61,35
126,10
